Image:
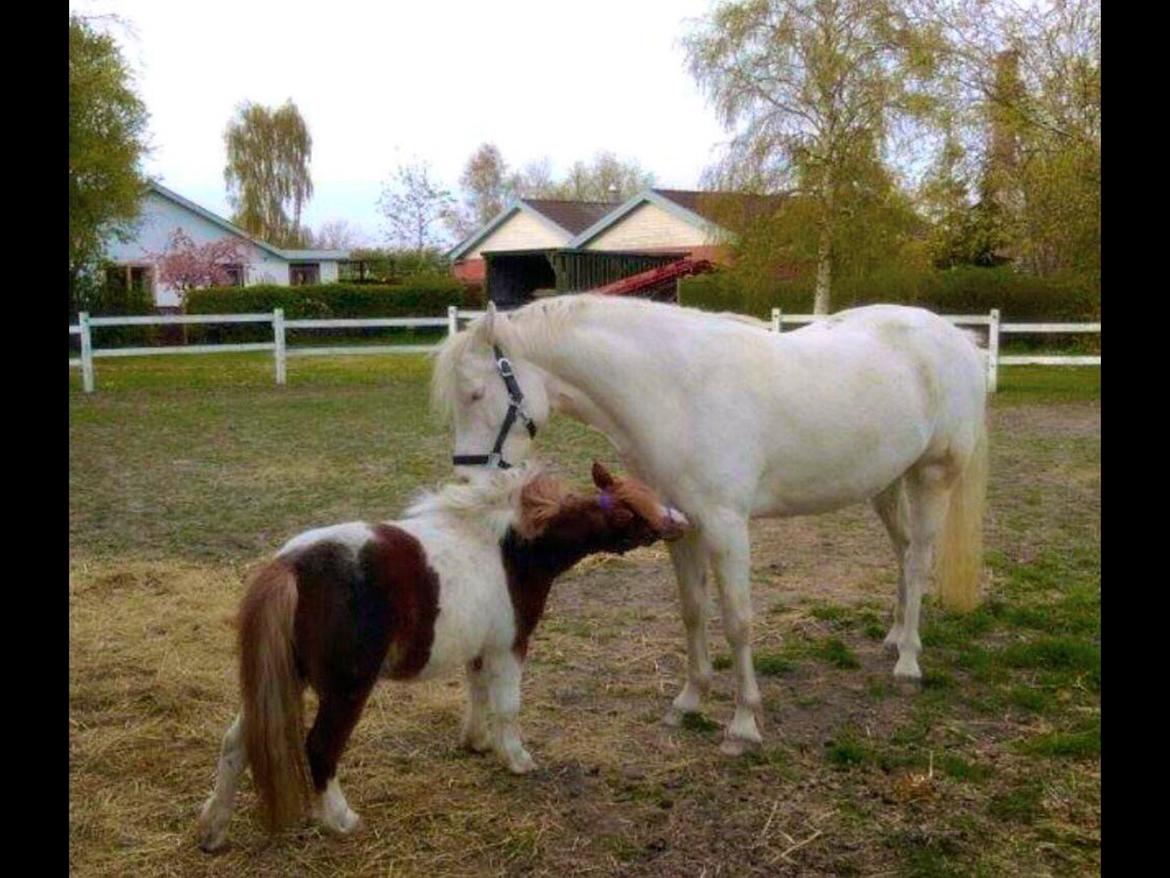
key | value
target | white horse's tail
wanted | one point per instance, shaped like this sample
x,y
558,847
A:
x,y
958,553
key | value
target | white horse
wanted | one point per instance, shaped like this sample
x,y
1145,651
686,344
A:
x,y
728,420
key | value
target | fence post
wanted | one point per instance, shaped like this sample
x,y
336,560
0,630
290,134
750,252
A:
x,y
993,351
86,353
278,334
777,320
452,319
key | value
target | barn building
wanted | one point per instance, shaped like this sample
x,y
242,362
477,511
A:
x,y
537,246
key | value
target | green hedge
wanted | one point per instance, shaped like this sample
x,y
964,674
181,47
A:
x,y
964,290
419,296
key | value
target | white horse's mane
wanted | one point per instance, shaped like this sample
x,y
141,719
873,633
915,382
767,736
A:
x,y
491,497
541,324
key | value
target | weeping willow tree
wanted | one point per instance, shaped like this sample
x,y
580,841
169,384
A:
x,y
267,171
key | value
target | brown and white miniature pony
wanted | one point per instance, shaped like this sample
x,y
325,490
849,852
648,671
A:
x,y
459,583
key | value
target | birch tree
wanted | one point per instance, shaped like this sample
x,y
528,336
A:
x,y
812,91
415,206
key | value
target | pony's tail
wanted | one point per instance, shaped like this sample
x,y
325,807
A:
x,y
959,551
272,695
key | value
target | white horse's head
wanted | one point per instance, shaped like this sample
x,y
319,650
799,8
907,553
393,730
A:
x,y
495,402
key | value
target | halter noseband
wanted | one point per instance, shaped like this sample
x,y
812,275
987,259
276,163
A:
x,y
515,410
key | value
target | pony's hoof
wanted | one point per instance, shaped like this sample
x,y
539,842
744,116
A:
x,y
522,764
212,843
476,743
212,838
350,823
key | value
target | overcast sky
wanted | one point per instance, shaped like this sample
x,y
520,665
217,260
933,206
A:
x,y
382,83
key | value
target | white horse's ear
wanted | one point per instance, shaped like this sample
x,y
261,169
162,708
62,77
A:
x,y
485,328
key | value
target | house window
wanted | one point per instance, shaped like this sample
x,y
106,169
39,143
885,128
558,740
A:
x,y
235,275
304,273
139,278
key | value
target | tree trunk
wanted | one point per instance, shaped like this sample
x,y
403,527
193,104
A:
x,y
824,269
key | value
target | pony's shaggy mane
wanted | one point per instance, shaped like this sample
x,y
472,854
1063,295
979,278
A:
x,y
524,497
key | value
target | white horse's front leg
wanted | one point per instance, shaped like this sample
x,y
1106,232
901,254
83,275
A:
x,y
731,556
504,670
476,734
689,556
217,810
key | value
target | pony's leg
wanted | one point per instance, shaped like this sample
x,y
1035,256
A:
x,y
476,735
336,717
892,507
690,559
217,810
504,670
727,538
928,488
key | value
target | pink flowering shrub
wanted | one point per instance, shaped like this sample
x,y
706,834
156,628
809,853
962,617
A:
x,y
185,266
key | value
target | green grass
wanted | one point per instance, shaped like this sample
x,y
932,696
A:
x,y
203,459
836,653
1030,384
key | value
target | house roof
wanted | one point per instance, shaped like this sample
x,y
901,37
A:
x,y
299,255
178,199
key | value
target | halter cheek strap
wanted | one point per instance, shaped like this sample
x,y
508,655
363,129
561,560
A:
x,y
515,410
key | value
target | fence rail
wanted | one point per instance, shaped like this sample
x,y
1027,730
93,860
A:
x,y
995,329
281,352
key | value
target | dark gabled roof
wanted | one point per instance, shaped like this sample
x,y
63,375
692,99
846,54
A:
x,y
708,204
572,216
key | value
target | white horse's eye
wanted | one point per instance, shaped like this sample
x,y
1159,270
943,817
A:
x,y
476,395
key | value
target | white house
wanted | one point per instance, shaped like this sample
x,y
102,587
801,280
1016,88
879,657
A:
x,y
163,211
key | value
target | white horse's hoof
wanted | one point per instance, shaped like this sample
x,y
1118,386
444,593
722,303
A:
x,y
673,717
735,746
907,672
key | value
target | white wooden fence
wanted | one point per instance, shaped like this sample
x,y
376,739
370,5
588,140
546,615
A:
x,y
995,329
281,352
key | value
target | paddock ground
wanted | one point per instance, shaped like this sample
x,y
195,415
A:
x,y
185,471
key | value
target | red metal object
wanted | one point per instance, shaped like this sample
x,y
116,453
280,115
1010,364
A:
x,y
648,280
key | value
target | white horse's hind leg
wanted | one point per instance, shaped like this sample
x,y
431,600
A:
x,y
217,810
689,556
731,559
892,507
929,493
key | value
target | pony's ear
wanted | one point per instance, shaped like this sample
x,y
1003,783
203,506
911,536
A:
x,y
540,501
602,477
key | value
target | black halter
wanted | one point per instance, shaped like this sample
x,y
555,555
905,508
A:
x,y
515,401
